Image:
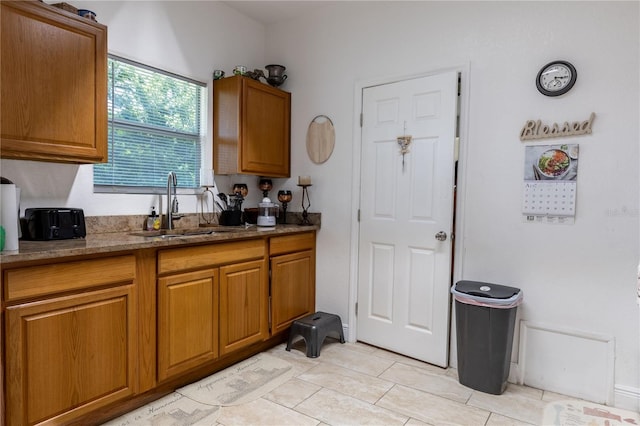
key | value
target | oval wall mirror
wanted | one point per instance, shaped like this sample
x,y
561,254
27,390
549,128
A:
x,y
321,138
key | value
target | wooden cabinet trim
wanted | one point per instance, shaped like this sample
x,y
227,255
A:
x,y
147,307
54,278
226,124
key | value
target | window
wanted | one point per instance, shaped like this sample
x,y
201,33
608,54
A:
x,y
155,126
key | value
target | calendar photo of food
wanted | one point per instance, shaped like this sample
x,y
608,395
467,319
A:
x,y
551,162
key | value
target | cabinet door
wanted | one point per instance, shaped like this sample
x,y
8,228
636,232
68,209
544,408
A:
x,y
53,72
251,128
243,305
70,355
265,130
187,321
292,288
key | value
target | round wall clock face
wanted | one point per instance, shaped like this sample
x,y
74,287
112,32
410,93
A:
x,y
556,78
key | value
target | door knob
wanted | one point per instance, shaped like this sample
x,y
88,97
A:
x,y
441,236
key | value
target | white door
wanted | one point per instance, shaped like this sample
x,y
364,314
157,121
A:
x,y
406,209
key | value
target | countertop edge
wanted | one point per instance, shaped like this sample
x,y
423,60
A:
x,y
92,244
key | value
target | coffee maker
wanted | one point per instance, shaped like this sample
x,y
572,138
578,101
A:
x,y
267,212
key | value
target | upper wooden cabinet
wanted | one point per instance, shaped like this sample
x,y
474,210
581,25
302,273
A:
x,y
251,128
53,79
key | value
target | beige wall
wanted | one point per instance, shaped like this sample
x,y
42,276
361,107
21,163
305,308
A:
x,y
580,277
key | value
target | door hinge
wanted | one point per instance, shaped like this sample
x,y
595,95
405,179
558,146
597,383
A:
x,y
358,215
361,119
356,308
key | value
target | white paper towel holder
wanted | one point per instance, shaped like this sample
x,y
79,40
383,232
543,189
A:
x,y
10,214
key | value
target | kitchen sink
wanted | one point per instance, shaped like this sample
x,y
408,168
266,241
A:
x,y
175,233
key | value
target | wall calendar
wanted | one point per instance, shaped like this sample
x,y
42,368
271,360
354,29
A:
x,y
550,183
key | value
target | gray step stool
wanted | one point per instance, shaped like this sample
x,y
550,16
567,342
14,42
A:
x,y
314,328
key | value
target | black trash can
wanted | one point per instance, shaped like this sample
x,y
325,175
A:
x,y
485,319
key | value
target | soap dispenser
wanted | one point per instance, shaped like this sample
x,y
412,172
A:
x,y
151,219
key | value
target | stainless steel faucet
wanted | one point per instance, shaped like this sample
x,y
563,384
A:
x,y
172,203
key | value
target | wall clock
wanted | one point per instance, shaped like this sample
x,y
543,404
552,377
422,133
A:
x,y
556,78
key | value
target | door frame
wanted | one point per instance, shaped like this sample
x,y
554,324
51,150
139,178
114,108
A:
x,y
458,259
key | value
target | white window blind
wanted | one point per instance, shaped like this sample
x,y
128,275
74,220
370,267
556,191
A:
x,y
155,126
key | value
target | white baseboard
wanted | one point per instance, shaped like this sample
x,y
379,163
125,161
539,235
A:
x,y
345,330
627,398
515,374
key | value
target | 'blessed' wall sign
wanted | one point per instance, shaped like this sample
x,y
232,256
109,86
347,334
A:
x,y
535,129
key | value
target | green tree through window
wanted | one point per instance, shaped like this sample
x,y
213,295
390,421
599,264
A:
x,y
155,126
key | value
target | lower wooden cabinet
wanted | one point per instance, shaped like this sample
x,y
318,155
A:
x,y
82,337
187,321
224,287
70,355
291,289
292,279
243,305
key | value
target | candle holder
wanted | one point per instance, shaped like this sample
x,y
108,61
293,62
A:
x,y
241,188
265,186
284,196
305,210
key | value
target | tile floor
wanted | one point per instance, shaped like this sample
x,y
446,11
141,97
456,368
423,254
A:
x,y
357,384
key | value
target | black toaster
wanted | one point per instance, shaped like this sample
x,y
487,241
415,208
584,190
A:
x,y
46,223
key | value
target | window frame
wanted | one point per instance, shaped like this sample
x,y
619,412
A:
x,y
143,127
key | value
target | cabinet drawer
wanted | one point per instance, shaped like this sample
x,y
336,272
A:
x,y
291,243
196,257
61,277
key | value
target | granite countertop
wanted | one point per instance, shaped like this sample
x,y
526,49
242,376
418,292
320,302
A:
x,y
103,243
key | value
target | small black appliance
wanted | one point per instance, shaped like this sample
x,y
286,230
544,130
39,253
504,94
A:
x,y
51,223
